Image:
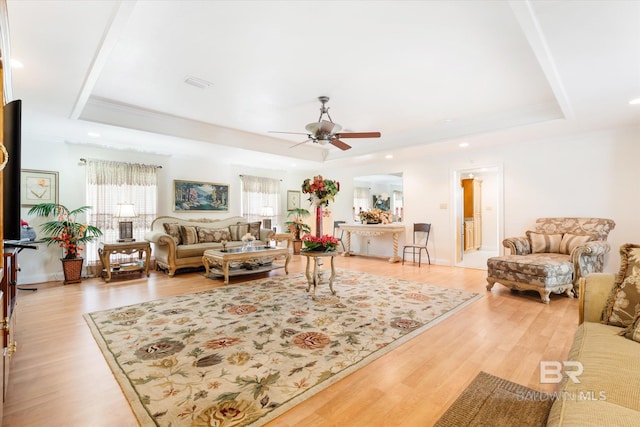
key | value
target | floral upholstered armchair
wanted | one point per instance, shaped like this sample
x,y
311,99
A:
x,y
553,256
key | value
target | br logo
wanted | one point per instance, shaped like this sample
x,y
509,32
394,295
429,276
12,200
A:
x,y
551,371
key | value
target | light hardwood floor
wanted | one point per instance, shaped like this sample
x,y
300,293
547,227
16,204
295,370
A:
x,y
59,377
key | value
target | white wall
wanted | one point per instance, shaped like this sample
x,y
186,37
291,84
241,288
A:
x,y
592,175
490,208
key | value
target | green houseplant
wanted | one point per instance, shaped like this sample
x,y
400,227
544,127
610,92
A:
x,y
68,233
297,227
295,224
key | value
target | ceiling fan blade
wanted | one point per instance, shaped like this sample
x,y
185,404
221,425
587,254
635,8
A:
x,y
300,143
292,133
341,145
359,135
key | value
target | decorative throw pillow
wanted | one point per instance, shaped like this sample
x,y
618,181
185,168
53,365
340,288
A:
x,y
633,330
571,241
173,230
254,229
238,230
626,302
189,234
629,266
207,235
544,243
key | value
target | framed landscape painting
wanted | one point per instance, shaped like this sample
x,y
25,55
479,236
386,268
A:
x,y
200,196
38,187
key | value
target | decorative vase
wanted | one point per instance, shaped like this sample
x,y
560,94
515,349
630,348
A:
x,y
319,221
72,269
28,233
297,246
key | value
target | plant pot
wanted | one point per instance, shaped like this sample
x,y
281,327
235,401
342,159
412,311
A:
x,y
72,269
297,246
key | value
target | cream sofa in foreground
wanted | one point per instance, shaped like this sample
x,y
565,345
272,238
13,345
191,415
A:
x,y
609,390
180,243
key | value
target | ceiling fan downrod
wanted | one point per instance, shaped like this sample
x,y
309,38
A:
x,y
323,108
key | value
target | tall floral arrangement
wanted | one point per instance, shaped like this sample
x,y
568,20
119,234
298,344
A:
x,y
321,191
65,230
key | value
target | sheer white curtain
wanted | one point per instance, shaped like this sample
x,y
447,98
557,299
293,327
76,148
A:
x,y
361,199
397,207
259,193
110,183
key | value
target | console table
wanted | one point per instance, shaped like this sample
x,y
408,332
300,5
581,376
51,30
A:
x,y
107,249
373,230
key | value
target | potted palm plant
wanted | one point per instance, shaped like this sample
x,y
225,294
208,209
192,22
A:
x,y
68,233
297,227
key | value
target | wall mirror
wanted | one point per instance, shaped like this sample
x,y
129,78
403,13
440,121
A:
x,y
382,191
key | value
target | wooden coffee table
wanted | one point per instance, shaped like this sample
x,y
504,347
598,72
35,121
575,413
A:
x,y
258,259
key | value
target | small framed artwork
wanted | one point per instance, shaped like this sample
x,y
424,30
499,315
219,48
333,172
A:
x,y
382,202
200,196
38,187
293,200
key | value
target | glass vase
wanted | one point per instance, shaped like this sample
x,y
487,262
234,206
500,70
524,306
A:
x,y
319,221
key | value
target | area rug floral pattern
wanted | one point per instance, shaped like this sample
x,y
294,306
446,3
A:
x,y
242,354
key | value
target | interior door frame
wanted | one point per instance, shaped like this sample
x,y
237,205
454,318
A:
x,y
456,203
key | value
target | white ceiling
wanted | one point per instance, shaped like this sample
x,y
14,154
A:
x,y
420,72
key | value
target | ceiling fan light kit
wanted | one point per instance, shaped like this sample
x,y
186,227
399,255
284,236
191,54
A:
x,y
326,131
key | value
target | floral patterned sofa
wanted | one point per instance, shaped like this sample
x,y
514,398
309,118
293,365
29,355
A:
x,y
180,243
553,257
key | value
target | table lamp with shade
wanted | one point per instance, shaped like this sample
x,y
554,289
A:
x,y
125,211
267,213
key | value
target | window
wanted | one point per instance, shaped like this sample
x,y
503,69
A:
x,y
361,197
110,183
398,208
260,198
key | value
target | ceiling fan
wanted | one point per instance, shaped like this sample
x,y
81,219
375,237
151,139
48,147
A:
x,y
325,131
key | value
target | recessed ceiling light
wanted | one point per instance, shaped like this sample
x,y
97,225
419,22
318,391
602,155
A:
x,y
197,82
463,144
635,101
388,156
448,120
93,134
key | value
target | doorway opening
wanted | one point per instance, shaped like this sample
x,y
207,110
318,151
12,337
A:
x,y
478,215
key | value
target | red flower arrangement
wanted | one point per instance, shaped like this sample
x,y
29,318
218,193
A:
x,y
325,243
321,191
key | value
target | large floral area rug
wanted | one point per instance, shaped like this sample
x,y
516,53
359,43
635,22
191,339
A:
x,y
242,354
